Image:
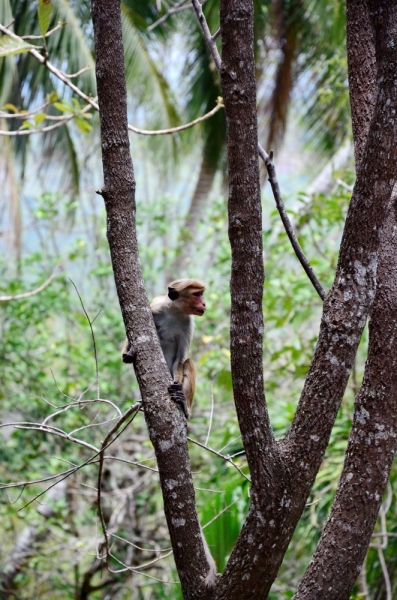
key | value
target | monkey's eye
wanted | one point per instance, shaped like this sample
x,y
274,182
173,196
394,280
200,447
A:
x,y
197,294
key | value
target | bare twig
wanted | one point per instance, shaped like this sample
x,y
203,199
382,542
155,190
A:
x,y
46,63
210,40
225,457
211,415
25,115
219,105
73,75
33,292
60,121
92,335
219,514
40,37
131,412
385,573
171,11
268,160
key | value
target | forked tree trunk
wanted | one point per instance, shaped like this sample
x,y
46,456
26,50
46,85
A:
x,y
372,442
282,472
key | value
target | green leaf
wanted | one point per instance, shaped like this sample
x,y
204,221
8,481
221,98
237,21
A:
x,y
39,118
27,125
83,125
52,97
10,46
64,107
11,107
45,11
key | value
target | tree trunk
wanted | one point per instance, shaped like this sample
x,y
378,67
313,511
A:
x,y
372,442
166,424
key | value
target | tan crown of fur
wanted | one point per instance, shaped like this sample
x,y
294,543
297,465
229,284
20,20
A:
x,y
182,284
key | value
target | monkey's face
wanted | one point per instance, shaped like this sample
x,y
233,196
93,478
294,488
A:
x,y
191,302
197,302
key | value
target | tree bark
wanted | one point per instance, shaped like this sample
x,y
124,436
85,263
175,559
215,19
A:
x,y
372,442
166,424
283,473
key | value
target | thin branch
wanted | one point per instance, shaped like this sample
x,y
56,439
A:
x,y
211,416
40,37
61,120
46,63
385,573
33,292
268,160
132,411
92,335
219,105
19,132
219,514
216,34
26,115
65,79
131,462
73,75
225,457
136,569
210,40
159,550
91,460
171,11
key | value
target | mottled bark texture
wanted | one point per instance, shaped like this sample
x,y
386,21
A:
x,y
282,474
372,443
245,575
166,424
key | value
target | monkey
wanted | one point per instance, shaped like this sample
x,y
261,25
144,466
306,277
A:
x,y
173,318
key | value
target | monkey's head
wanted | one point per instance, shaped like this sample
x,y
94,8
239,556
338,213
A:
x,y
187,296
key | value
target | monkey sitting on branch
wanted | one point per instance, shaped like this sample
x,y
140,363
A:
x,y
173,317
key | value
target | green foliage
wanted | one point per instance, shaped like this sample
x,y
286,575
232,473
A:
x,y
45,10
9,46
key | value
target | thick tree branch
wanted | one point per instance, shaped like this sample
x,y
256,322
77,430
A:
x,y
166,424
348,303
372,442
345,311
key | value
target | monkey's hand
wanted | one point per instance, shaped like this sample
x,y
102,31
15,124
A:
x,y
177,396
129,354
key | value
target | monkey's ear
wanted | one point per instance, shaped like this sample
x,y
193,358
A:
x,y
172,293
